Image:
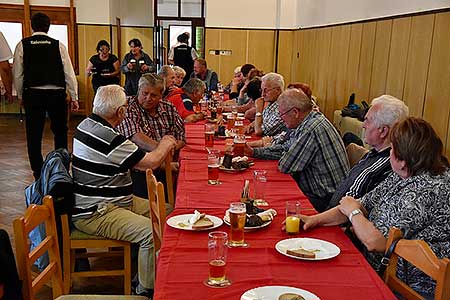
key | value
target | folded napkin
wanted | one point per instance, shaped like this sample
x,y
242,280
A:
x,y
195,217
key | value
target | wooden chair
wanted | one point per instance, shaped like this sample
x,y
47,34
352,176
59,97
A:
x,y
419,254
355,153
169,180
76,239
35,215
157,210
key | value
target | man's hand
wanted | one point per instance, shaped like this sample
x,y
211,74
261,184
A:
x,y
175,166
259,104
168,141
74,106
144,68
130,66
249,129
348,204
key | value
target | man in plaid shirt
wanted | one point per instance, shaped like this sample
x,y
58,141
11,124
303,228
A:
x,y
267,120
148,118
313,152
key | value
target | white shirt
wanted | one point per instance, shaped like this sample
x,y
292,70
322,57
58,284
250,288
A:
x,y
5,51
69,74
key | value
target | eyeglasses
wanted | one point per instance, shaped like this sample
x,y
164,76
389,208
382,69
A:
x,y
104,49
286,112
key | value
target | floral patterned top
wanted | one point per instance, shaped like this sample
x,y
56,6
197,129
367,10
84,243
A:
x,y
420,207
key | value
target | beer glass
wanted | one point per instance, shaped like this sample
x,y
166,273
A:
x,y
292,217
217,259
259,184
209,135
239,144
239,126
237,223
230,122
213,167
234,111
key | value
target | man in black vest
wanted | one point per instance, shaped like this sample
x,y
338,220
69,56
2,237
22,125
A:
x,y
183,55
42,71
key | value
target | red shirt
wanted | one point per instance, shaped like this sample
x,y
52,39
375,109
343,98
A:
x,y
175,98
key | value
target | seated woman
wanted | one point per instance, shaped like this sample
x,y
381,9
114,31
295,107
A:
x,y
180,73
414,198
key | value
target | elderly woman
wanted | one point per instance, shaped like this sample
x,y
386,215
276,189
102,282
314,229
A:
x,y
415,198
104,67
180,73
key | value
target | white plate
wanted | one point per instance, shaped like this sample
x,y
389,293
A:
x,y
176,220
325,249
273,292
250,228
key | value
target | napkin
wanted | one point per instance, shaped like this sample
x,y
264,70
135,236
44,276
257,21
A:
x,y
239,158
195,217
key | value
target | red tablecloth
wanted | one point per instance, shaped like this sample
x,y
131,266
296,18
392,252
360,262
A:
x,y
183,262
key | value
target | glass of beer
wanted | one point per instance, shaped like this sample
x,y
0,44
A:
x,y
217,258
230,122
234,111
237,223
239,126
239,144
219,109
259,185
213,167
209,135
292,217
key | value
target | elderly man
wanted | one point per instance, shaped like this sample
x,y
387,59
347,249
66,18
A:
x,y
186,97
267,120
202,72
315,155
374,167
147,120
102,158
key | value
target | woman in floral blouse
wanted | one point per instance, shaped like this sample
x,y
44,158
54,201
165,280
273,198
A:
x,y
414,198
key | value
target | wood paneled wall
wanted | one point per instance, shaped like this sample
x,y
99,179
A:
x,y
88,37
407,57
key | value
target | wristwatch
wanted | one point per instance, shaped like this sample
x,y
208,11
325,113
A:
x,y
258,114
354,213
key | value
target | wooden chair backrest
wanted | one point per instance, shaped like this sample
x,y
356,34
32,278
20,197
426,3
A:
x,y
157,208
355,153
419,254
169,180
35,215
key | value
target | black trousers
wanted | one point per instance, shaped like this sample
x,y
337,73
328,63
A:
x,y
38,103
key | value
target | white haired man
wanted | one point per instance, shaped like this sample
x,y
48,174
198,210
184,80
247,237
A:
x,y
374,166
267,120
102,159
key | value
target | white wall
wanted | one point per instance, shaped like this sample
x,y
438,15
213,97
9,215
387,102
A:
x,y
265,14
92,12
325,12
135,12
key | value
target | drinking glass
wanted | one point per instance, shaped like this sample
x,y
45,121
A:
x,y
239,144
213,167
259,185
234,111
237,223
292,217
209,135
230,122
217,259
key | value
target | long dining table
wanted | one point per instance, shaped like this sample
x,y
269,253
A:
x,y
182,264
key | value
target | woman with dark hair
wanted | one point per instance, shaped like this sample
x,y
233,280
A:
x,y
414,198
104,67
134,64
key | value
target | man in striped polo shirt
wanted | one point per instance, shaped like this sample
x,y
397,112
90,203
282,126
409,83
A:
x,y
104,201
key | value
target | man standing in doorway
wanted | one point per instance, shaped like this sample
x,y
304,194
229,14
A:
x,y
183,55
42,71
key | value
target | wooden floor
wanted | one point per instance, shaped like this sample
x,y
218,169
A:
x,y
15,175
